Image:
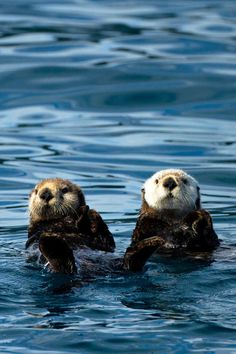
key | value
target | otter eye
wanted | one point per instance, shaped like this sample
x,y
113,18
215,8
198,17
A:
x,y
65,190
156,181
185,181
35,191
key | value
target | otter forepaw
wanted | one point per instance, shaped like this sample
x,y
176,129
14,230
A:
x,y
199,221
58,254
136,256
95,221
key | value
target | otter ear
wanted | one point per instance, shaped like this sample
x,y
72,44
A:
x,y
198,200
142,193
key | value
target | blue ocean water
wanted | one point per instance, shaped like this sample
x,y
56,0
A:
x,y
105,93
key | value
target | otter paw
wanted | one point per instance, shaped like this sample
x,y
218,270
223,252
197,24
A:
x,y
199,221
58,254
95,221
136,256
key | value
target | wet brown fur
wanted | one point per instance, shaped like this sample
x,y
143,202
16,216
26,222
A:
x,y
161,231
59,233
168,232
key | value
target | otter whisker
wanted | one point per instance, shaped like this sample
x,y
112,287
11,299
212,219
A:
x,y
63,208
188,200
70,208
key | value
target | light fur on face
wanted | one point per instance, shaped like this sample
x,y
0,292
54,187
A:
x,y
172,189
53,198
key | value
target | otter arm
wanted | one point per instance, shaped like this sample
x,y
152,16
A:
x,y
58,254
136,256
147,226
194,233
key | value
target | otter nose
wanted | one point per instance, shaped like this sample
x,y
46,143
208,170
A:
x,y
169,183
46,195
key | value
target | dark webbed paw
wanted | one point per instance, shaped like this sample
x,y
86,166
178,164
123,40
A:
x,y
200,221
95,221
136,256
90,218
83,213
58,254
201,233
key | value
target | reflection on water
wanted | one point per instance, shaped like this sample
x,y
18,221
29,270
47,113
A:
x,y
106,93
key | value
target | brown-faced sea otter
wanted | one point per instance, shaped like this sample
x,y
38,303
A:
x,y
60,222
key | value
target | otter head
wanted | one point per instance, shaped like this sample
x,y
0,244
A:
x,y
54,198
171,190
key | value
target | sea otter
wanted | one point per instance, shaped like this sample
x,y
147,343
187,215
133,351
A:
x,y
171,218
60,222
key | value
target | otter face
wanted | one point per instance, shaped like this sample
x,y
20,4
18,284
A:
x,y
54,198
172,190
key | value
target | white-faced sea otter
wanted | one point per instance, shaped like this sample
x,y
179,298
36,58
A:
x,y
171,218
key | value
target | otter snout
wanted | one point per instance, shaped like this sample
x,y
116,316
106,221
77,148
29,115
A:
x,y
169,183
46,195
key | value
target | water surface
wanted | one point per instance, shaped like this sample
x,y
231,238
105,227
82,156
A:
x,y
105,93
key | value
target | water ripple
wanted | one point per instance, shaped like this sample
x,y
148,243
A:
x,y
106,94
